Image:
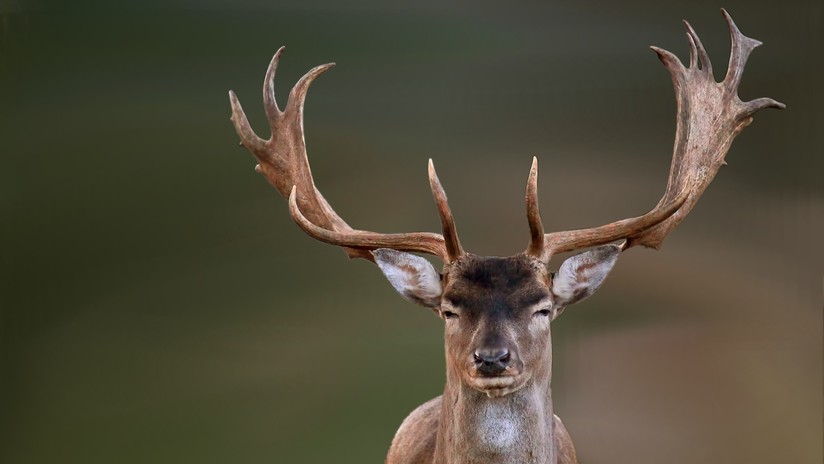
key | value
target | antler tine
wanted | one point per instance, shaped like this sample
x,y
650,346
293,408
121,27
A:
x,y
740,49
282,160
270,104
709,116
450,232
248,138
533,213
697,48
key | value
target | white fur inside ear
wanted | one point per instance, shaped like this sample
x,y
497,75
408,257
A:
x,y
412,276
580,275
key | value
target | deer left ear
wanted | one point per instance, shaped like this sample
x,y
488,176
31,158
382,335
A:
x,y
412,276
580,275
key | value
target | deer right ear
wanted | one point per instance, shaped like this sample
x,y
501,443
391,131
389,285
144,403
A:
x,y
412,276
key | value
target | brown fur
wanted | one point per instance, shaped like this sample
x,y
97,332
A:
x,y
414,442
496,301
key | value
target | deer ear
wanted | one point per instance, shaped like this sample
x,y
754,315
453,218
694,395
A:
x,y
580,275
412,276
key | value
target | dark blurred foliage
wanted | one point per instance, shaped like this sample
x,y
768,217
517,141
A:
x,y
158,305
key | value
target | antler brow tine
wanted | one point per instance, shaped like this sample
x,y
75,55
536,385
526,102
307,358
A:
x,y
450,232
533,213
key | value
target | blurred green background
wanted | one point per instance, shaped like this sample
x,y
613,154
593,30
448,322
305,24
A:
x,y
158,305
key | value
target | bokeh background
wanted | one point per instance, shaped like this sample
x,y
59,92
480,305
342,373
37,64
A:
x,y
158,305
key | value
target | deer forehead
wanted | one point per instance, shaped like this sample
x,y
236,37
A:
x,y
505,286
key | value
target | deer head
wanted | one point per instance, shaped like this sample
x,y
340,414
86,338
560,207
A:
x,y
497,311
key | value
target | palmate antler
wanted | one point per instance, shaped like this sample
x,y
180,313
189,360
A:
x,y
282,159
710,115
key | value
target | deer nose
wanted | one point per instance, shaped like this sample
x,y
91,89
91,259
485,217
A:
x,y
491,361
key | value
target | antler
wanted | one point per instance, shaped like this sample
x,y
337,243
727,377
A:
x,y
710,115
282,159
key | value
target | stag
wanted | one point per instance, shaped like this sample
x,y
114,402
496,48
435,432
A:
x,y
497,403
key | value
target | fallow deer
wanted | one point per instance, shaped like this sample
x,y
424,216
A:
x,y
497,402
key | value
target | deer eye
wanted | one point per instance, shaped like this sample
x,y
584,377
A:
x,y
449,315
543,312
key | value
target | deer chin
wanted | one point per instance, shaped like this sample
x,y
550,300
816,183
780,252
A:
x,y
495,387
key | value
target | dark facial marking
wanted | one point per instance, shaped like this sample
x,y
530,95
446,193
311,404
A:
x,y
500,286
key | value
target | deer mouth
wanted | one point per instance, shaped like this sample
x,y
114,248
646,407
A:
x,y
498,386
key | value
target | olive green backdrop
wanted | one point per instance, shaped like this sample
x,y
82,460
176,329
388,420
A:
x,y
159,306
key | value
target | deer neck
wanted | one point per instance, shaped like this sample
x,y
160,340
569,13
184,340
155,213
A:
x,y
517,427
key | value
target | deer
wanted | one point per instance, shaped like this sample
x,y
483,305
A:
x,y
496,406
